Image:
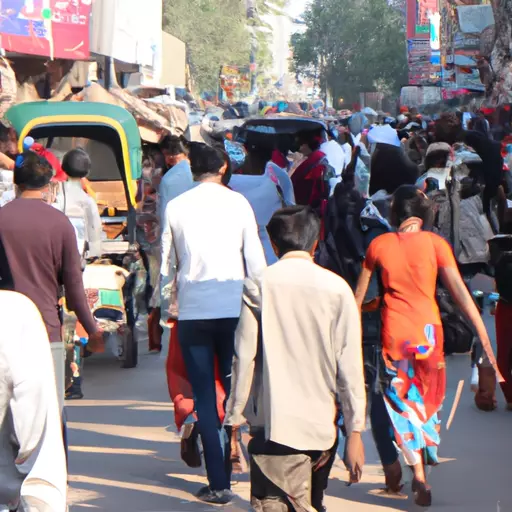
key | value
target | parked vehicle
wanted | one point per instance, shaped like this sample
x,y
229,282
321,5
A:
x,y
110,135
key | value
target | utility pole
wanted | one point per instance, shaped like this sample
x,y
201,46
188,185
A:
x,y
251,16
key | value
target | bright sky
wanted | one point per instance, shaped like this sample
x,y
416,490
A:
x,y
297,7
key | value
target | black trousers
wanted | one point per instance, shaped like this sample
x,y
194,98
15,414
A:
x,y
382,429
262,487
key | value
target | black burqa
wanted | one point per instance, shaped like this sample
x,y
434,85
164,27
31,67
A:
x,y
391,168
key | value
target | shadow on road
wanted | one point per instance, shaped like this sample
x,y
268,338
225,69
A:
x,y
124,453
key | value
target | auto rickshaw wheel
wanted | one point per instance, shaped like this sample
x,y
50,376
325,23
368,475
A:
x,y
130,349
65,436
130,342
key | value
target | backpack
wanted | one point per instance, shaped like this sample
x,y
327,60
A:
x,y
351,223
458,332
342,250
459,222
462,221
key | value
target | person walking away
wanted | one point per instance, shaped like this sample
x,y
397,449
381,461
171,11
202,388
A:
x,y
39,256
335,155
461,221
304,317
210,243
390,168
148,237
175,181
449,129
82,211
311,179
501,259
351,224
357,123
263,194
503,313
410,262
178,178
347,144
33,470
277,169
78,206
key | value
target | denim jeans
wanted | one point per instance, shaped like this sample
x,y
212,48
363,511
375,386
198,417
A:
x,y
203,341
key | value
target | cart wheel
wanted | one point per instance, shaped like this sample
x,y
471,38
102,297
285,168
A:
x,y
65,436
130,349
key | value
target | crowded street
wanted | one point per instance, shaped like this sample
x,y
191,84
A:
x,y
124,452
255,255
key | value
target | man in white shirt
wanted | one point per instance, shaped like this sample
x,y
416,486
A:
x,y
334,154
178,178
32,459
210,243
298,352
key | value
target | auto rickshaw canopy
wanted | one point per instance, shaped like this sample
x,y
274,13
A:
x,y
102,122
276,130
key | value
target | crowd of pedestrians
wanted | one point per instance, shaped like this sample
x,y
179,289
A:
x,y
264,273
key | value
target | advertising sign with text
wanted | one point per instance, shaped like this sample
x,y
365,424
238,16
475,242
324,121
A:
x,y
50,28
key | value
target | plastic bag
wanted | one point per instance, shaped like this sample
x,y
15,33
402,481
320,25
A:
x,y
362,178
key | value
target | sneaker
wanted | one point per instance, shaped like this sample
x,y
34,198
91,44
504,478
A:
x,y
74,393
215,497
474,379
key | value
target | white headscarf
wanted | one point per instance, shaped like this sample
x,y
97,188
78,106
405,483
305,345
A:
x,y
384,134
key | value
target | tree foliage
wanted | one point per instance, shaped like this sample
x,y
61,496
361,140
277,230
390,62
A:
x,y
354,46
215,32
500,91
264,9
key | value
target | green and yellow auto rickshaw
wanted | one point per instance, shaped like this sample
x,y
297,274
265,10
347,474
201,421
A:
x,y
110,135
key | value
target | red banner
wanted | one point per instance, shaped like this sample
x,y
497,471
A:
x,y
418,24
50,28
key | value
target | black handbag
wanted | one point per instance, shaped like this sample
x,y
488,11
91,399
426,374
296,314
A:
x,y
190,453
458,332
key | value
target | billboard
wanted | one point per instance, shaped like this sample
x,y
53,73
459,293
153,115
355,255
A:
x,y
50,28
464,33
423,42
235,82
128,31
418,18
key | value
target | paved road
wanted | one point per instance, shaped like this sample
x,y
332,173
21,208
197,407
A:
x,y
125,452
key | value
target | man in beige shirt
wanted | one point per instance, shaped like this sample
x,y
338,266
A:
x,y
293,370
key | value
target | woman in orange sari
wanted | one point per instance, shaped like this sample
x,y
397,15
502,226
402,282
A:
x,y
410,262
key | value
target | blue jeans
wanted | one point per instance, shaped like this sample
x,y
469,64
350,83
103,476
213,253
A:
x,y
201,342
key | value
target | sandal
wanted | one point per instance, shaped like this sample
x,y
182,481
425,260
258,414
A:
x,y
422,493
393,476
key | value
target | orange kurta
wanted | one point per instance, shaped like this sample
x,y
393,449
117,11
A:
x,y
409,264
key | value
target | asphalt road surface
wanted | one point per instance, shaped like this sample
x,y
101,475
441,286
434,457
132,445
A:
x,y
124,453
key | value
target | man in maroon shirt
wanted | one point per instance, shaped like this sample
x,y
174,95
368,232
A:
x,y
39,256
